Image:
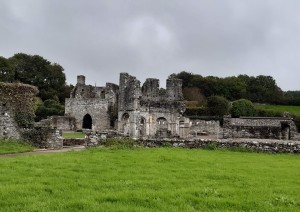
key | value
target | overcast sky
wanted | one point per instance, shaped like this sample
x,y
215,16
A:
x,y
155,38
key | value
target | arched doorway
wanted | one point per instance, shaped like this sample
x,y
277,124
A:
x,y
87,122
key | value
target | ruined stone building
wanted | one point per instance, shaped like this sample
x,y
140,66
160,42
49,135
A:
x,y
148,110
136,110
132,109
92,107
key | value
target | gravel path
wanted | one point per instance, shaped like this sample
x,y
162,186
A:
x,y
44,151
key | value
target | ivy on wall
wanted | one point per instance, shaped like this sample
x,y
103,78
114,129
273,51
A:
x,y
18,99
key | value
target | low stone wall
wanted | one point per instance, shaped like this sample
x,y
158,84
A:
x,y
259,145
59,122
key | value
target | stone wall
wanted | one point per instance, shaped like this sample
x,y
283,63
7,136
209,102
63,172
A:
x,y
14,98
61,123
260,127
198,127
8,126
96,108
270,146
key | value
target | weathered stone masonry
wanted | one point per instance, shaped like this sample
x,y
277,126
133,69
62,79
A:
x,y
149,110
260,127
90,105
14,98
8,126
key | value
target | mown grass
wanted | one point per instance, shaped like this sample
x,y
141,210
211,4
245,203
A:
x,y
162,179
73,135
14,146
281,108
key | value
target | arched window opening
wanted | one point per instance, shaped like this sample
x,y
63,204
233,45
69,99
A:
x,y
162,123
87,122
143,126
102,95
126,124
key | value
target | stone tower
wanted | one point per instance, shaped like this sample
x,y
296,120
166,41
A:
x,y
149,110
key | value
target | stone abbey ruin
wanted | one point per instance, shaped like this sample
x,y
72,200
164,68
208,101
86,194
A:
x,y
147,110
144,112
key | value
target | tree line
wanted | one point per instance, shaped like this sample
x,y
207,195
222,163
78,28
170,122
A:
x,y
258,89
50,79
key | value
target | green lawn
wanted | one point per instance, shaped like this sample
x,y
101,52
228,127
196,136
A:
x,y
281,108
73,135
161,179
14,146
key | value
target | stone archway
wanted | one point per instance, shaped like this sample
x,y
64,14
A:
x,y
87,122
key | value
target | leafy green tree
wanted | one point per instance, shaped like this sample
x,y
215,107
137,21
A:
x,y
6,72
234,88
35,70
242,107
218,105
262,89
186,78
49,107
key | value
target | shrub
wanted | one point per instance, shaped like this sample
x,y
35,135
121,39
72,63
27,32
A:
x,y
242,107
197,111
49,108
37,136
268,113
217,106
24,119
211,146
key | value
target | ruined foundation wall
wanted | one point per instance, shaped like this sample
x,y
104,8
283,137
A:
x,y
62,122
8,126
261,128
200,127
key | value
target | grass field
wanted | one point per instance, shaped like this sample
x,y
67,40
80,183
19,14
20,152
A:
x,y
281,108
14,146
73,135
162,179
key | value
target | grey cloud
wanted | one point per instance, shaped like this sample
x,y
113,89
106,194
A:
x,y
157,38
